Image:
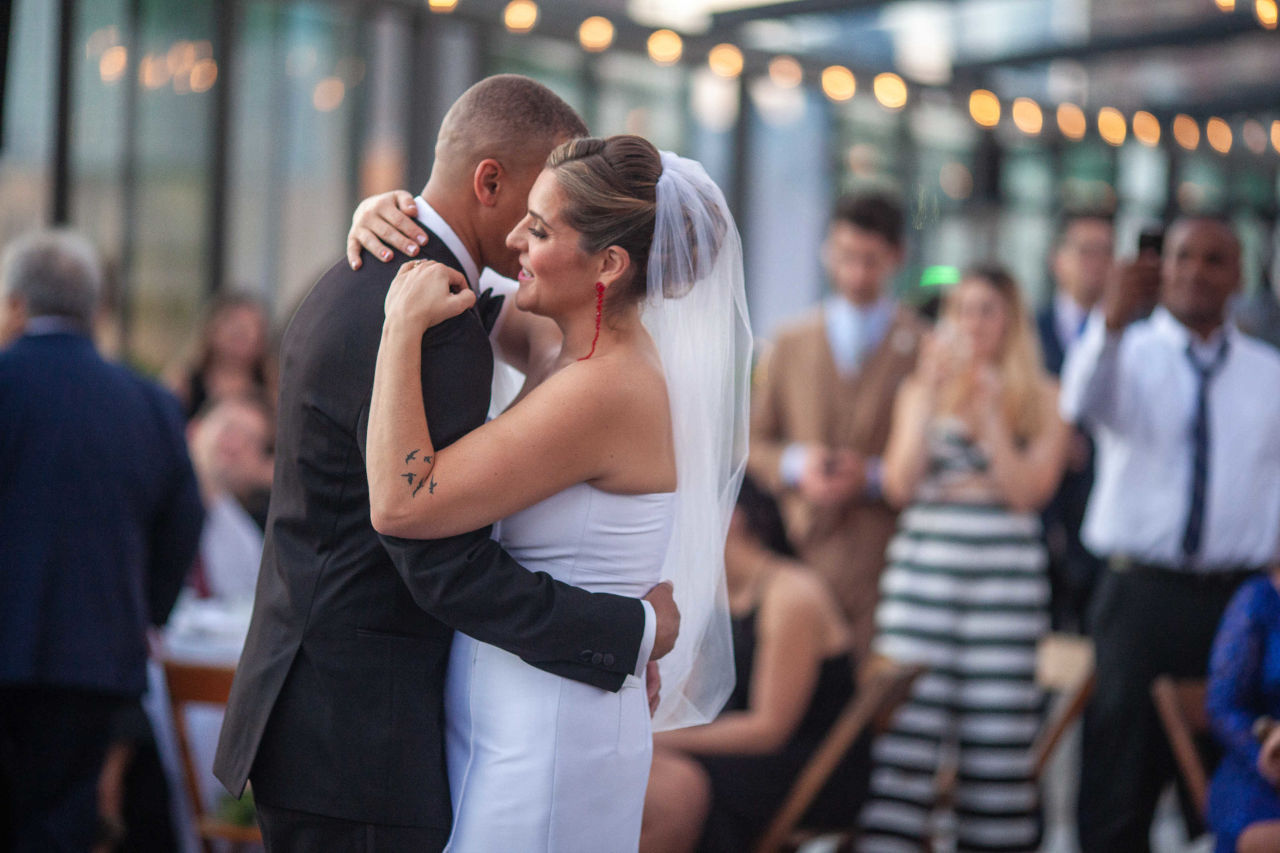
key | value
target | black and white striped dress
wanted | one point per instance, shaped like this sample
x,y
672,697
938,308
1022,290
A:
x,y
966,593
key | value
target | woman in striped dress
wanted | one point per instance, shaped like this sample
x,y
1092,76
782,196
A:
x,y
976,449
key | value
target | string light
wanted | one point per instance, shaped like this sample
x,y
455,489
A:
x,y
1226,5
1255,136
665,47
1218,133
725,60
890,90
984,106
112,64
1027,116
1071,121
838,83
443,7
1275,135
520,16
1111,126
203,75
1266,12
595,34
1186,132
1146,128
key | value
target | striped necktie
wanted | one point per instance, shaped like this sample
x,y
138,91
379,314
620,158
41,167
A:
x,y
1194,532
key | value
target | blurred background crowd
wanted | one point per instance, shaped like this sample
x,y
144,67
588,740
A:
x,y
1012,267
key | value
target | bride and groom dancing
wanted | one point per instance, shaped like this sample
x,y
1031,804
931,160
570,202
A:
x,y
362,721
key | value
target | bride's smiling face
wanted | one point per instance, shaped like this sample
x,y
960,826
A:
x,y
556,275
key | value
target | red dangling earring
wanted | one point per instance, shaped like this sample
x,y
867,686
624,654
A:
x,y
599,313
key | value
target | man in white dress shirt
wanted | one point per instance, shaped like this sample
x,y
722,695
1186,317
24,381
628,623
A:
x,y
1185,412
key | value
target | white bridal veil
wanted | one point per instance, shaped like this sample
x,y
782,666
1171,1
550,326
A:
x,y
697,314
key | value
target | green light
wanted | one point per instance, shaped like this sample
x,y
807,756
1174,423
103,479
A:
x,y
940,276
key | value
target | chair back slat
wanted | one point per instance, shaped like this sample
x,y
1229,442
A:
x,y
885,686
190,683
1180,705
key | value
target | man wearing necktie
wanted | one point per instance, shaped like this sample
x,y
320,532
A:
x,y
1185,412
1080,262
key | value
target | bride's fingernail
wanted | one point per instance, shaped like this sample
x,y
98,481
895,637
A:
x,y
411,249
422,239
386,256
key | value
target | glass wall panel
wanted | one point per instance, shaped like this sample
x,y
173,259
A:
x,y
28,117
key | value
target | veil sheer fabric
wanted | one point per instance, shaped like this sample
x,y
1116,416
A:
x,y
696,312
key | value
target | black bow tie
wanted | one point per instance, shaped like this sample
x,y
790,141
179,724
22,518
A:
x,y
489,307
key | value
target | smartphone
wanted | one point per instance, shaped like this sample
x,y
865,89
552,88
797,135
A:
x,y
1151,239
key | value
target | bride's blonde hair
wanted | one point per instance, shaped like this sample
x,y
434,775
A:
x,y
1019,364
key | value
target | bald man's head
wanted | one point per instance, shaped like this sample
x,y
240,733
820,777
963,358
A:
x,y
509,118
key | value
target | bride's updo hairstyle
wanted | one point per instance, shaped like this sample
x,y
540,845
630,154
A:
x,y
611,186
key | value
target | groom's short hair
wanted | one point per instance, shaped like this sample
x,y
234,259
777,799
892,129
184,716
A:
x,y
509,117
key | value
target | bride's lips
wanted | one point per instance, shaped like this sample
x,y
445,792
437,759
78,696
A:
x,y
524,274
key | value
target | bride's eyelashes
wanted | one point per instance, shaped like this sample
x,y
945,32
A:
x,y
537,232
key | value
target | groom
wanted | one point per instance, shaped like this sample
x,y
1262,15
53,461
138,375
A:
x,y
336,710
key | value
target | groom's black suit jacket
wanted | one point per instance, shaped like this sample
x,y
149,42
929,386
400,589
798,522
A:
x,y
337,707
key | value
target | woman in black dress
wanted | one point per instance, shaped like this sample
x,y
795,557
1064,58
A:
x,y
715,787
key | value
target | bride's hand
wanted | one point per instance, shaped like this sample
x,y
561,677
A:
x,y
425,293
389,217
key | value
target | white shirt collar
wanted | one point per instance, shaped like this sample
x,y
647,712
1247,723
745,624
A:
x,y
1168,327
435,223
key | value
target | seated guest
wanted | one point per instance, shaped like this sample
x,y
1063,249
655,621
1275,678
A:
x,y
232,356
1244,688
714,787
230,448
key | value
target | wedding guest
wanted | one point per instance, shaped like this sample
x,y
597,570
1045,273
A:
x,y
1080,262
975,452
99,519
231,357
231,450
820,408
715,787
1244,692
1185,413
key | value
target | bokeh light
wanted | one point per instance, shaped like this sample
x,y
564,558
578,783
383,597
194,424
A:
x,y
595,34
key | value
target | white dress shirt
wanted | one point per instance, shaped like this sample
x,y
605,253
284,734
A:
x,y
1136,390
435,223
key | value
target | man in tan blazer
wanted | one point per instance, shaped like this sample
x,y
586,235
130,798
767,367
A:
x,y
822,406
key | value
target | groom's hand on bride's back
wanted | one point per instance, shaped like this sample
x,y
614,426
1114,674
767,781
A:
x,y
668,618
382,221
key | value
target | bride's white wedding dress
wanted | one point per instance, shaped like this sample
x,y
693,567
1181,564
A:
x,y
538,762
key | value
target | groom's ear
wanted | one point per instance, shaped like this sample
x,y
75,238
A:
x,y
487,180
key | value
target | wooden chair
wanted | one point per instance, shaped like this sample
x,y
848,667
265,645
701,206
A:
x,y
1181,707
1064,666
884,686
202,683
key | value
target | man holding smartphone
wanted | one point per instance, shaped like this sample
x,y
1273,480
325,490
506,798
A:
x,y
1185,412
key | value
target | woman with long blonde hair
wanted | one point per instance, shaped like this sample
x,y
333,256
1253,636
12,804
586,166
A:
x,y
975,450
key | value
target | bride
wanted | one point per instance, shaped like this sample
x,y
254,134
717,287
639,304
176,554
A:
x,y
617,469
